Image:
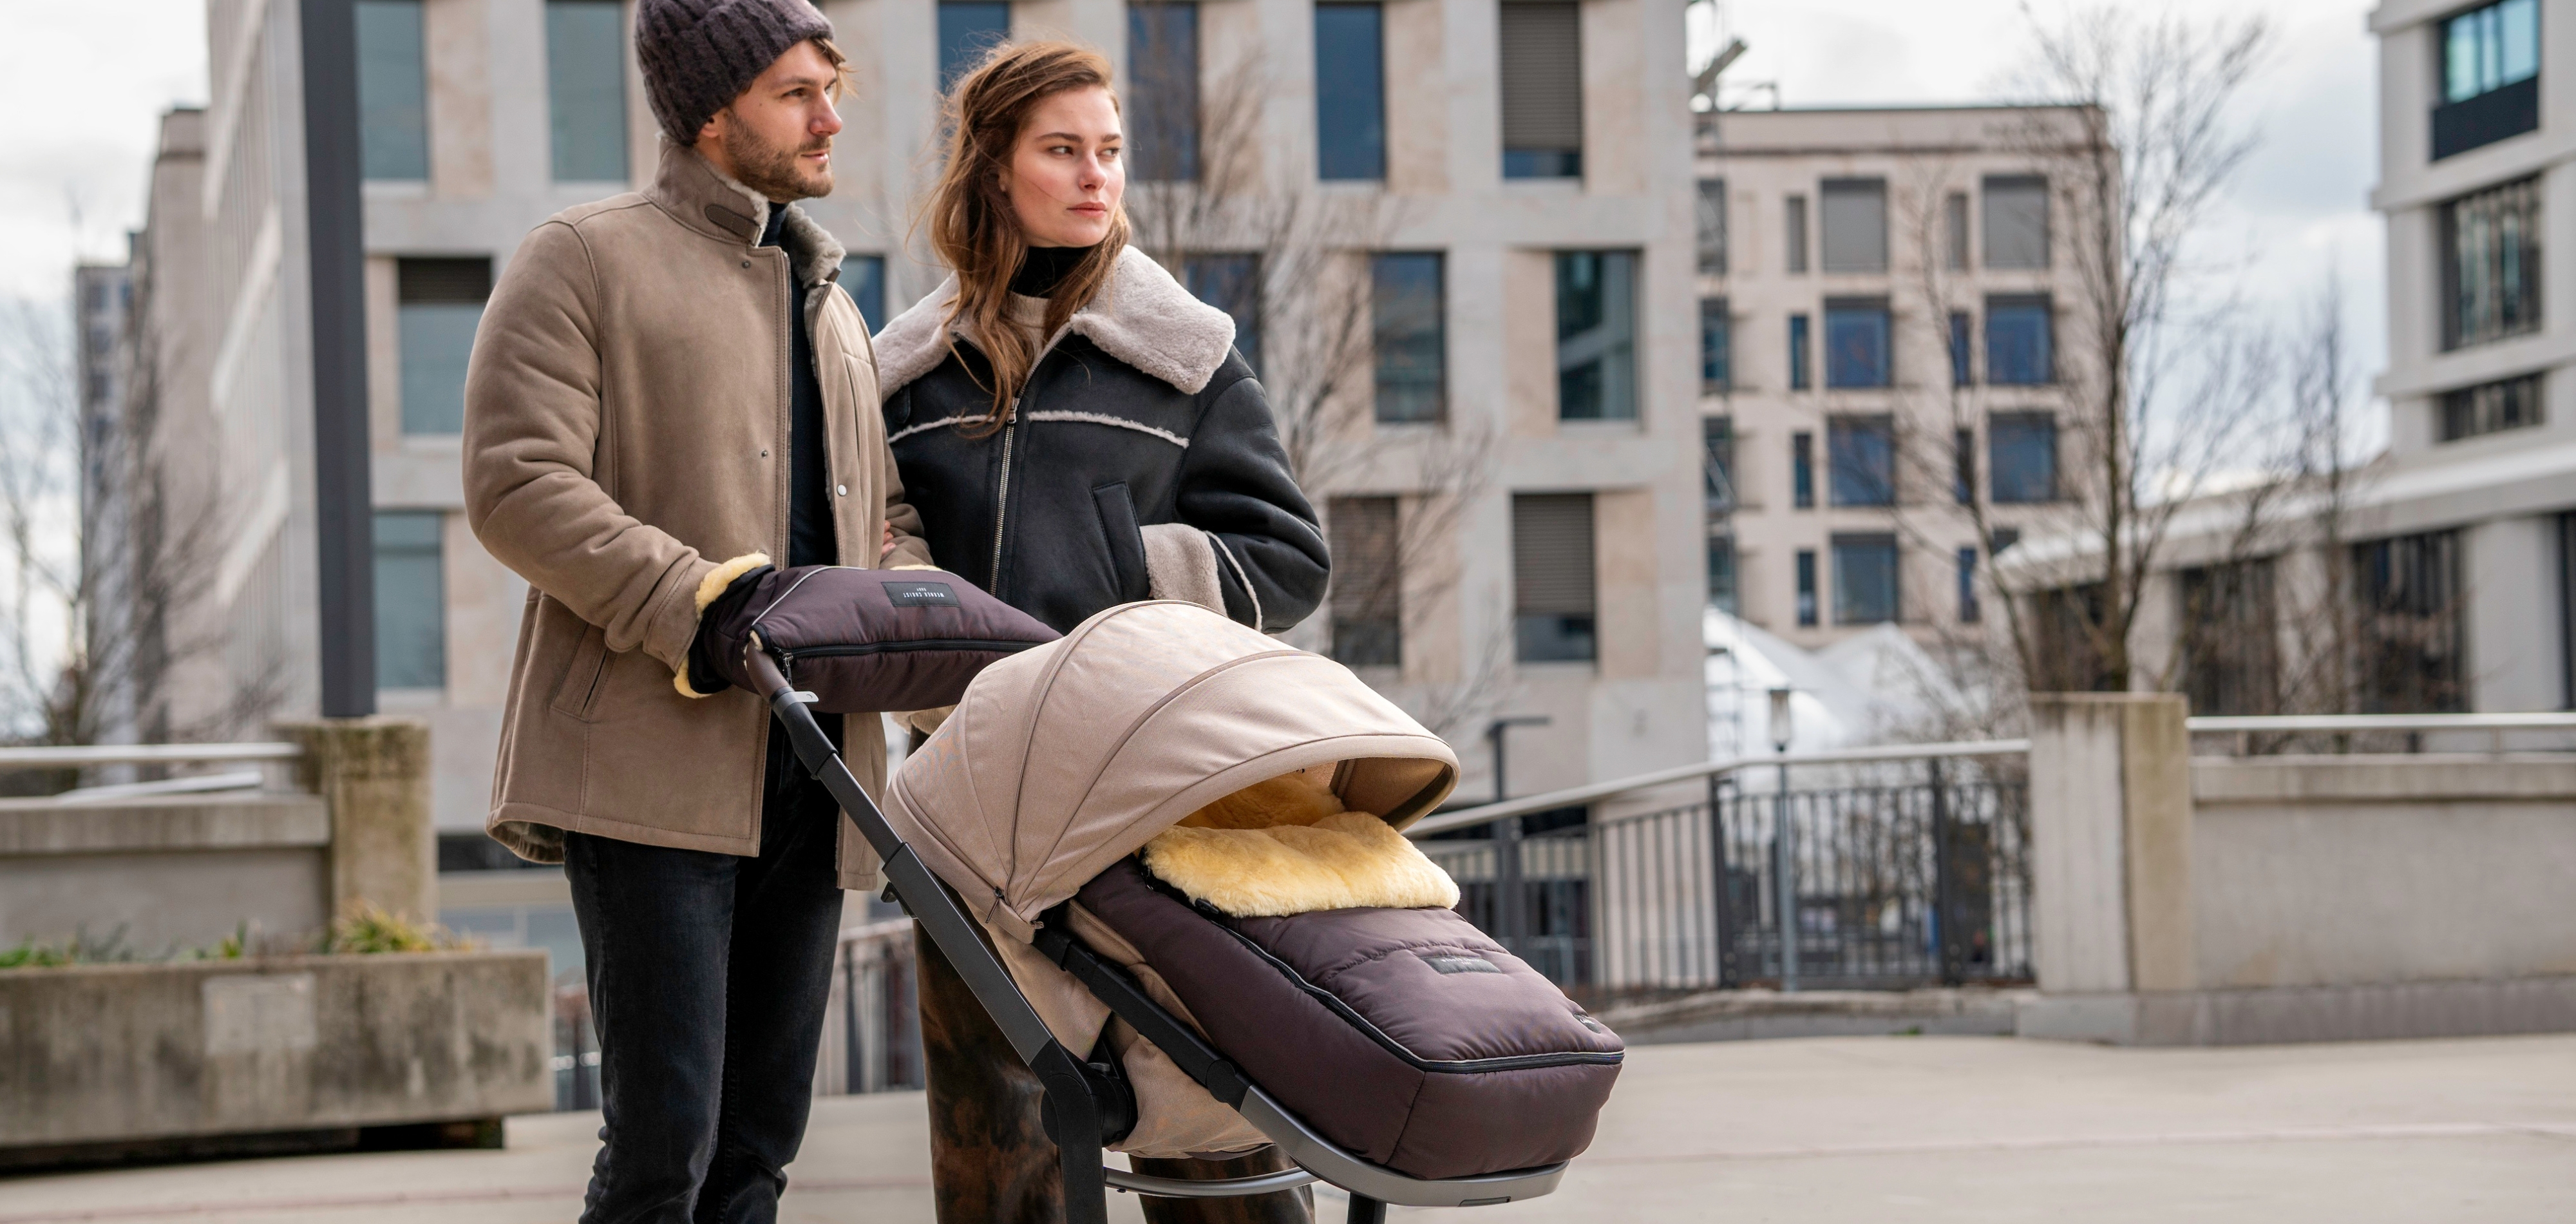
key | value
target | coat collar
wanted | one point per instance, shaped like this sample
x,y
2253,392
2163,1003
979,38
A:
x,y
708,201
1142,317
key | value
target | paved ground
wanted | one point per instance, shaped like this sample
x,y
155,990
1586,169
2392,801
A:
x,y
1820,1131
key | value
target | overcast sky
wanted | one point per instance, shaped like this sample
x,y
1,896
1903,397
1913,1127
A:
x,y
83,83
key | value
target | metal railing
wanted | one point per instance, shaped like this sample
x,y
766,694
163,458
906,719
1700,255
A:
x,y
161,756
872,1023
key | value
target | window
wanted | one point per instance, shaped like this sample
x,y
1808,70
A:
x,y
2016,221
2019,348
1962,338
1367,589
2407,594
1231,283
1722,594
1542,86
411,602
1793,232
863,278
2022,460
1162,94
2068,621
586,89
1864,579
1798,375
1862,452
1717,462
1350,91
966,32
1856,335
2490,77
2005,537
2231,660
1854,212
1596,334
1954,229
1711,227
2491,264
393,91
1409,321
438,302
2511,404
1963,466
1969,612
1716,344
1806,586
1802,470
1552,584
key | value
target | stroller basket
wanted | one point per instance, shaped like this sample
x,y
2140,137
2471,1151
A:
x,y
1082,1104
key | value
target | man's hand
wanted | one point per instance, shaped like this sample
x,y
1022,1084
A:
x,y
887,549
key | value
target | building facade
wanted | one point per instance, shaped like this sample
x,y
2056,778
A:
x,y
1496,414
1882,293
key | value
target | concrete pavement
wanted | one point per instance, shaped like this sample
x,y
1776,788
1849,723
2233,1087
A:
x,y
1819,1131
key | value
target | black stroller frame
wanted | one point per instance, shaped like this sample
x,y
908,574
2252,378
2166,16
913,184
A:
x,y
1073,1105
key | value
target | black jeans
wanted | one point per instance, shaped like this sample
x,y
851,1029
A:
x,y
708,977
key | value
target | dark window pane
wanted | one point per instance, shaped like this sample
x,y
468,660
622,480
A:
x,y
1367,597
1552,578
1854,212
2408,594
1596,335
1806,586
1969,612
586,89
1541,80
2511,404
1710,226
2023,464
411,603
1798,375
2019,344
1961,341
1717,462
1794,232
2231,661
1162,94
1722,593
1410,328
1231,283
1963,464
1856,340
1716,345
1350,92
1954,224
1862,451
2016,208
2491,265
1865,584
863,278
438,304
393,91
1802,470
966,32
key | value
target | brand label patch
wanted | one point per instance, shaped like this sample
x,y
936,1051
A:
x,y
1445,963
921,594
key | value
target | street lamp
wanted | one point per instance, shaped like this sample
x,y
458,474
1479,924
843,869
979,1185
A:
x,y
1784,867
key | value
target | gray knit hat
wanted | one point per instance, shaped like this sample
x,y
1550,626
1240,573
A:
x,y
699,55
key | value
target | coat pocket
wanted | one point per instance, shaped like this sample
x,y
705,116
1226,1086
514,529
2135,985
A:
x,y
1124,540
579,689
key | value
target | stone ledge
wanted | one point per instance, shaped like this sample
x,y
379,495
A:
x,y
2382,778
2304,1013
1741,1015
161,823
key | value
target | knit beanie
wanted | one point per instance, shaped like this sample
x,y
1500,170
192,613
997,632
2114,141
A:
x,y
699,55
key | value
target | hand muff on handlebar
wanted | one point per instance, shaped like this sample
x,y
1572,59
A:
x,y
865,640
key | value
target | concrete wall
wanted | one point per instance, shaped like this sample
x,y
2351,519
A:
x,y
181,870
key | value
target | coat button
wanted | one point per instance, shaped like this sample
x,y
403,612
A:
x,y
843,490
746,263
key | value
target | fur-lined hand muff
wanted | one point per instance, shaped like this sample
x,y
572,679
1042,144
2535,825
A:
x,y
861,640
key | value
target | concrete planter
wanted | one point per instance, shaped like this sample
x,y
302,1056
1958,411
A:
x,y
95,1054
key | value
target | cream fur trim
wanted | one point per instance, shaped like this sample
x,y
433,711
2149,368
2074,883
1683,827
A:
x,y
1180,564
1349,860
709,588
1142,317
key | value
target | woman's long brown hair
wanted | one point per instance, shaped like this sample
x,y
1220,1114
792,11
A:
x,y
972,228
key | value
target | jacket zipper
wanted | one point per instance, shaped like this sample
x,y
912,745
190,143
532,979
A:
x,y
1002,495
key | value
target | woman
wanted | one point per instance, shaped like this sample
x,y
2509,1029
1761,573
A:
x,y
1076,432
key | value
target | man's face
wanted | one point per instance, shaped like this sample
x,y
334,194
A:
x,y
777,137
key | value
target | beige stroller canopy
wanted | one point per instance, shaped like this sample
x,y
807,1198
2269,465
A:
x,y
1065,758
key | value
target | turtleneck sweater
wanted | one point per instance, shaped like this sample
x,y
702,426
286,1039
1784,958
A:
x,y
1044,267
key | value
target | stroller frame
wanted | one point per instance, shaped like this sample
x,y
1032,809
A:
x,y
1071,1102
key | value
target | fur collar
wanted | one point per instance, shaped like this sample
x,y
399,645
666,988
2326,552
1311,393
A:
x,y
1142,317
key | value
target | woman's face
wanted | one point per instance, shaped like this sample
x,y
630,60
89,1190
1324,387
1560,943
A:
x,y
1065,176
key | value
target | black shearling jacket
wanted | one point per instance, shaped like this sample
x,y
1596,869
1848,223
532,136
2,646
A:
x,y
1140,461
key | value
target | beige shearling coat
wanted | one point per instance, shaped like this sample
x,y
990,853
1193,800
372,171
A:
x,y
626,438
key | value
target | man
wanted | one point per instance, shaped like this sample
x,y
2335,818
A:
x,y
668,391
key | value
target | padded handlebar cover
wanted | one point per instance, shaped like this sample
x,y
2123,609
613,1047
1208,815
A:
x,y
870,640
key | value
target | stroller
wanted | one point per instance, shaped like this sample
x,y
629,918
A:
x,y
1202,930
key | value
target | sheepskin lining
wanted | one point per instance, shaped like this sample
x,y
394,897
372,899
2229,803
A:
x,y
709,588
1142,317
1286,846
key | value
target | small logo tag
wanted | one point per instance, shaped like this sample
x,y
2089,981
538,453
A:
x,y
1459,964
921,594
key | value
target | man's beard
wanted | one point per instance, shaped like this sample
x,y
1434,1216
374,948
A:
x,y
773,171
